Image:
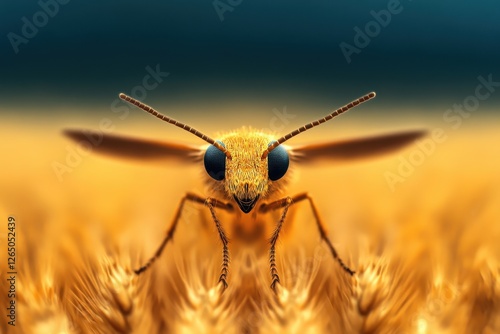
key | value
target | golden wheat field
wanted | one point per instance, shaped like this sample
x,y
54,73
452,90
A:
x,y
425,250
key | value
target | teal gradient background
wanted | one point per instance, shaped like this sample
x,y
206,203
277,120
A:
x,y
280,53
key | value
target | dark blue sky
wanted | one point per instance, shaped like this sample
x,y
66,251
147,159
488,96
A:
x,y
91,50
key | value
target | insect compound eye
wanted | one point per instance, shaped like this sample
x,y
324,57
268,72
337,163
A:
x,y
277,162
215,162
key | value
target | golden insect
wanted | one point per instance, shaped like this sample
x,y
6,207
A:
x,y
247,171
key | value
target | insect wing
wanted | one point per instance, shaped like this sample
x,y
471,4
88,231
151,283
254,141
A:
x,y
135,148
355,148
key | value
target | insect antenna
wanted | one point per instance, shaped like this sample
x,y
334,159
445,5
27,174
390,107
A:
x,y
308,126
167,119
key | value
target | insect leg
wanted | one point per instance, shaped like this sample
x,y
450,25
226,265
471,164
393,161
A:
x,y
170,233
225,251
321,227
285,203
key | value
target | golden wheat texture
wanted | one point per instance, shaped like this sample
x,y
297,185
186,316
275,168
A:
x,y
426,253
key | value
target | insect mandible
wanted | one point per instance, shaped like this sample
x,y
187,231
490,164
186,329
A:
x,y
246,170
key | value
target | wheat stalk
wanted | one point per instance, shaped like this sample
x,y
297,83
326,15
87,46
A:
x,y
431,266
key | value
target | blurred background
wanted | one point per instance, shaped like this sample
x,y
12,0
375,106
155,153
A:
x,y
221,64
425,55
